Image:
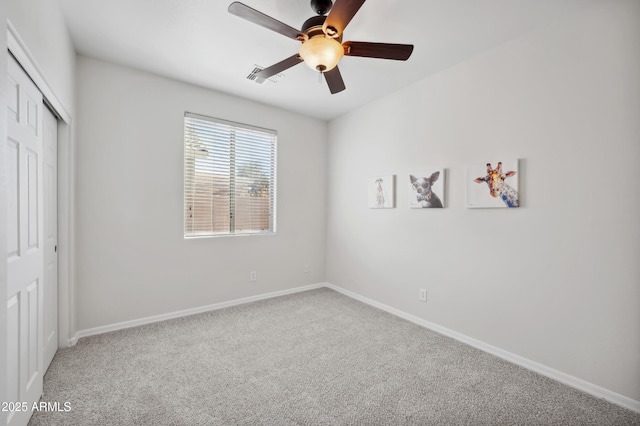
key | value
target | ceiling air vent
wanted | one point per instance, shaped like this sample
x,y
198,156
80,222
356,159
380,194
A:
x,y
256,69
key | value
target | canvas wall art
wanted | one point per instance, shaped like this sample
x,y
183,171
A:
x,y
426,189
493,184
382,192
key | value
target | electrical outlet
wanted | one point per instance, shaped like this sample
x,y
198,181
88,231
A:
x,y
423,294
306,268
253,276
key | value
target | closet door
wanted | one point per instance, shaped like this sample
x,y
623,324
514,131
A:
x,y
25,243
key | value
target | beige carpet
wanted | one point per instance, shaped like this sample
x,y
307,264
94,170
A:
x,y
311,358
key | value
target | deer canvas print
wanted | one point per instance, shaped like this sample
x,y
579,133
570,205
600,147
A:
x,y
381,192
426,189
494,184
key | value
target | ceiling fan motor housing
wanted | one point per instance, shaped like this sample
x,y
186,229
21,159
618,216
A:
x,y
312,24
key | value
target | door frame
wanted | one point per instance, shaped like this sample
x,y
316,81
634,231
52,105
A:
x,y
67,333
3,213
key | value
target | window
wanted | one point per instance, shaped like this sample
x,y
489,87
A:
x,y
229,178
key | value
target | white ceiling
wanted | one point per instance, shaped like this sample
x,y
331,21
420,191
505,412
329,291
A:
x,y
199,42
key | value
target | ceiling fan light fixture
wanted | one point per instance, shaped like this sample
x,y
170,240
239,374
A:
x,y
321,53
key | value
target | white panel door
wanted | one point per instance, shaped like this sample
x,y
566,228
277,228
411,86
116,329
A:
x,y
25,261
50,283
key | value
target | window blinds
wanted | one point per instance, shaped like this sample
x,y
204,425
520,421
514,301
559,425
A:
x,y
229,178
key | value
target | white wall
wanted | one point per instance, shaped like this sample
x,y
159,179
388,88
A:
x,y
41,25
133,261
557,281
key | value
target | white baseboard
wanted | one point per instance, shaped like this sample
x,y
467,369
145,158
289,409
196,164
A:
x,y
559,376
186,312
74,340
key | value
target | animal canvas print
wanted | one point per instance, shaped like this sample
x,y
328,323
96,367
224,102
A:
x,y
381,192
426,189
489,186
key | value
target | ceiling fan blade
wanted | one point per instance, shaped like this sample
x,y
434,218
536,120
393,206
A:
x,y
280,66
334,80
399,52
252,15
340,15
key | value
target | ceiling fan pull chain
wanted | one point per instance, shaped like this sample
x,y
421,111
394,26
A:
x,y
319,76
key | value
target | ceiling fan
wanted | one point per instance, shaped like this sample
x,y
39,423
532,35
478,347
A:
x,y
321,38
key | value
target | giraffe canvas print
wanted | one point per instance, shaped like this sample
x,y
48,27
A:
x,y
494,184
382,192
426,189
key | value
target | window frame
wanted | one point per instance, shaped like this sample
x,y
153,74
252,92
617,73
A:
x,y
189,234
